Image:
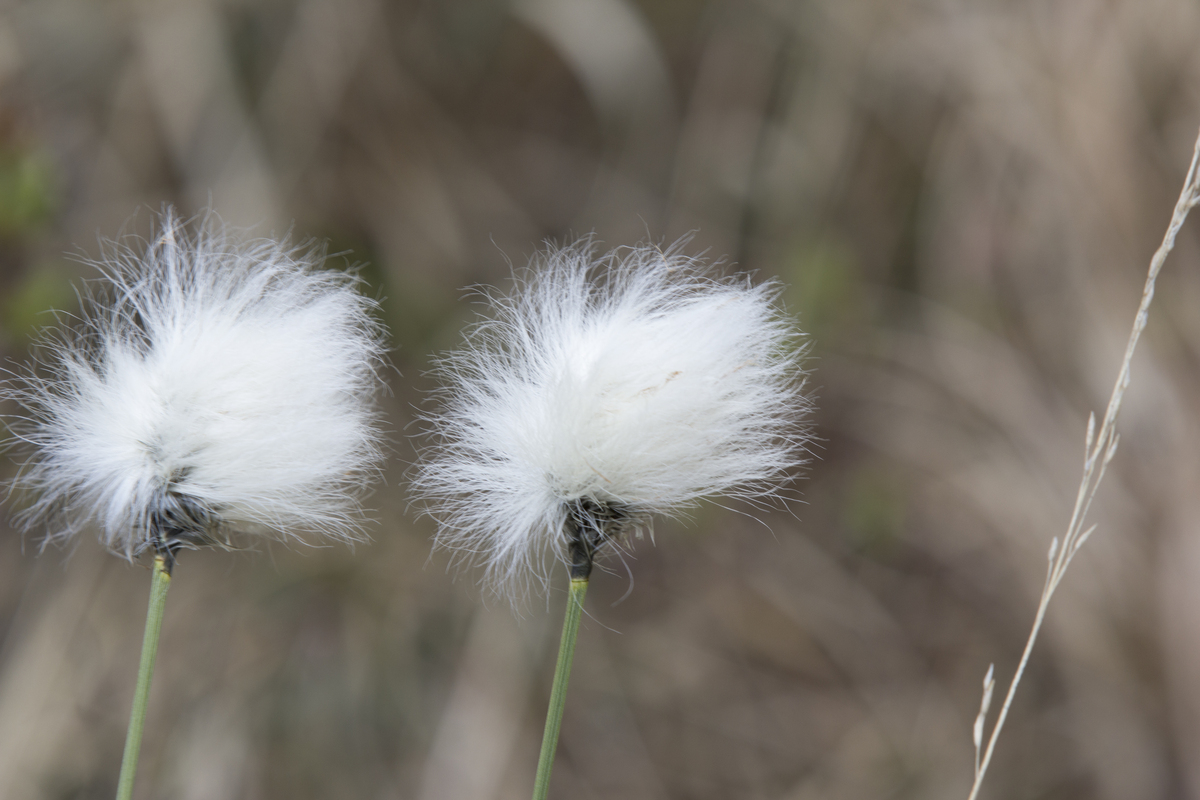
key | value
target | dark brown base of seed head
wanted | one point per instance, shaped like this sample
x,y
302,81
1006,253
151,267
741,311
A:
x,y
177,522
590,525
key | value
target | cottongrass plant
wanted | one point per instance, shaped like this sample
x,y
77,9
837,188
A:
x,y
1099,448
209,391
603,391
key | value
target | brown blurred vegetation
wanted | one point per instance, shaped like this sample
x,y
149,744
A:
x,y
961,197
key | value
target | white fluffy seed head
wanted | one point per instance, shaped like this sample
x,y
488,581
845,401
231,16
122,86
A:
x,y
626,385
209,388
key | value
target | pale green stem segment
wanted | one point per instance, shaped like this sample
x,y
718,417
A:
x,y
558,693
137,717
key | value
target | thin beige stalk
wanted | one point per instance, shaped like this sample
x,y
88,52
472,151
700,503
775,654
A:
x,y
1098,451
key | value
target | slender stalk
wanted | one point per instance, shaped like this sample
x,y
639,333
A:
x,y
558,694
137,716
1099,449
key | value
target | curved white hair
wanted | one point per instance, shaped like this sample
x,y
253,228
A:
x,y
610,387
208,387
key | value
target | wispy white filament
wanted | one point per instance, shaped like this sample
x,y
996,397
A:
x,y
209,387
635,383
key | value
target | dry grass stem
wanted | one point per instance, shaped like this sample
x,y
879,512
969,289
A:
x,y
1099,449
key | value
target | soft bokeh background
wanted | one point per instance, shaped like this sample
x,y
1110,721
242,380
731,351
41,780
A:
x,y
961,197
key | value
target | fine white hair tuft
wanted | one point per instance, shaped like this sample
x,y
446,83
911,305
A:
x,y
208,388
602,391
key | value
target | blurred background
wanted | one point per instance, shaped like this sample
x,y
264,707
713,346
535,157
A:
x,y
961,198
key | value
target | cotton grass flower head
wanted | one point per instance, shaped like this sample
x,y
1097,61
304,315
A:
x,y
602,391
209,388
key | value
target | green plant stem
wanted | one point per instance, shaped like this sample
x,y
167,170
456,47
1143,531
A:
x,y
558,693
137,716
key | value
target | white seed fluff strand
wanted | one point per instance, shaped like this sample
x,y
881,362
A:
x,y
634,381
236,381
